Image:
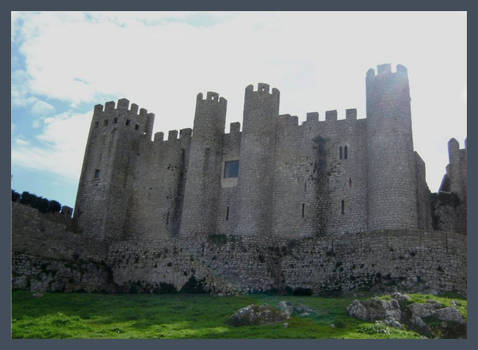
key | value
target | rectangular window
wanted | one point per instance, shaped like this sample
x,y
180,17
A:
x,y
136,127
345,152
115,120
97,173
231,168
303,209
105,123
96,124
127,122
343,207
227,213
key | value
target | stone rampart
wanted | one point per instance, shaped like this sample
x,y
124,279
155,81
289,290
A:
x,y
46,256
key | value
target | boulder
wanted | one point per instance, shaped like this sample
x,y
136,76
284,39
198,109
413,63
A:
x,y
358,310
289,308
447,323
450,314
417,324
403,299
286,306
375,309
303,310
393,323
424,310
257,315
434,320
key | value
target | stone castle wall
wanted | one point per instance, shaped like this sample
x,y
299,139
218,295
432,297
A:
x,y
326,206
48,256
334,176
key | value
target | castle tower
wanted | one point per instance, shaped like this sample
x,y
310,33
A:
x,y
456,171
261,111
203,182
106,177
457,168
391,161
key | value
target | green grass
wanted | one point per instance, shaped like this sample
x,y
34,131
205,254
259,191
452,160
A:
x,y
174,316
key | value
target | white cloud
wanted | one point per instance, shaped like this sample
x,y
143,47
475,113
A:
x,y
42,108
36,123
317,60
60,148
21,141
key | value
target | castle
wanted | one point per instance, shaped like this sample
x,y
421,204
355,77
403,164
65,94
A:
x,y
328,206
274,177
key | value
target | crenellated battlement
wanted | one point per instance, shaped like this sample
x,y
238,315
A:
x,y
288,120
172,135
109,106
455,153
185,133
331,116
123,106
134,108
351,114
235,128
159,137
454,145
312,117
262,89
211,97
117,114
385,70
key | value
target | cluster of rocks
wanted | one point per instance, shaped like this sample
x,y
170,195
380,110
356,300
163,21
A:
x,y
298,309
253,315
431,319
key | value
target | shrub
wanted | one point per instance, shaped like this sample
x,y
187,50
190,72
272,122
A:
x,y
40,203
15,196
54,207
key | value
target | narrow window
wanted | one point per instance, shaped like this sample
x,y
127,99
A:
x,y
343,207
97,173
227,213
136,127
127,122
105,123
167,218
345,152
115,120
340,152
350,182
96,124
231,168
303,209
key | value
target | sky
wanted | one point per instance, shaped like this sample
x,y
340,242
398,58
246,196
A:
x,y
64,63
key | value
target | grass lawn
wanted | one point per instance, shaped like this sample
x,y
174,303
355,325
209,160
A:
x,y
175,316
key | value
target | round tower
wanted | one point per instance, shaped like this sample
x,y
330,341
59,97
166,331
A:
x,y
108,167
261,111
391,167
203,182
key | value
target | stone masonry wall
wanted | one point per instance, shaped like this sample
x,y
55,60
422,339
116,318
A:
x,y
46,256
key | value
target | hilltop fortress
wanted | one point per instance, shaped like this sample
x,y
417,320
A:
x,y
325,206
